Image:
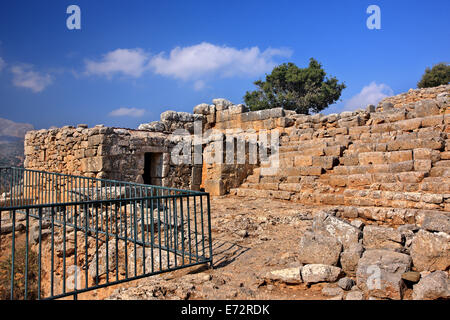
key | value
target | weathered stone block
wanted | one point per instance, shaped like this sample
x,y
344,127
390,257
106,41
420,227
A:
x,y
314,273
319,249
215,187
400,156
375,237
350,258
335,227
302,161
368,158
431,251
431,287
379,273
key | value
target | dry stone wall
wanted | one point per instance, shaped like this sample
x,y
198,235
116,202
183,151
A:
x,y
390,164
387,163
104,153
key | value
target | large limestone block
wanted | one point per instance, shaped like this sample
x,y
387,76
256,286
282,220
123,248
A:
x,y
375,237
379,273
343,231
314,273
319,249
432,286
350,258
431,251
439,222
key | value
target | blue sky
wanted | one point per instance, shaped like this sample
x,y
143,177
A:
x,y
131,60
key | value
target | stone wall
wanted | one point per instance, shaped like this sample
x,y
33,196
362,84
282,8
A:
x,y
387,164
414,95
235,124
104,153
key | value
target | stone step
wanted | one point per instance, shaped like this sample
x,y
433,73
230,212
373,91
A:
x,y
349,198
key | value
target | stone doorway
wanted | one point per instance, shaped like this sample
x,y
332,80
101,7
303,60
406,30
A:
x,y
153,168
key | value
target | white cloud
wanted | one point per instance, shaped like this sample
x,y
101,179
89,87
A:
x,y
24,76
130,62
370,94
205,58
2,63
127,112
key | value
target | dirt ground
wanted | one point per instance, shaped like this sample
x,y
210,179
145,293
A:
x,y
251,237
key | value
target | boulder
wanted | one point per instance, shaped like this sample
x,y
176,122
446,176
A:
x,y
314,273
432,286
439,222
431,251
379,273
222,104
343,231
202,108
319,249
425,108
156,126
350,258
375,237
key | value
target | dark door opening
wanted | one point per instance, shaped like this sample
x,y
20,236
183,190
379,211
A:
x,y
153,168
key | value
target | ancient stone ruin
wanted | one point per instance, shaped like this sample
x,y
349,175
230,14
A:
x,y
379,179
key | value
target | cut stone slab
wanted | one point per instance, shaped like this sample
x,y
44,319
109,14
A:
x,y
319,249
379,273
314,273
375,237
431,251
432,286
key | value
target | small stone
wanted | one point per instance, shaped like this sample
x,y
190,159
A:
x,y
354,295
346,283
338,297
332,291
242,233
411,276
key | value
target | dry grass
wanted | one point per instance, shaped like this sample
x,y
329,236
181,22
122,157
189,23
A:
x,y
19,275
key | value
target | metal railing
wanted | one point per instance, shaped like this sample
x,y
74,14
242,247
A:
x,y
63,235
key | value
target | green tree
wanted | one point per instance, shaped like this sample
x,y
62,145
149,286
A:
x,y
304,90
439,74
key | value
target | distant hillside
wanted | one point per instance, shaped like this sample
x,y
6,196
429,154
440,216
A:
x,y
11,142
14,129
